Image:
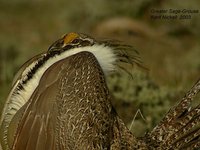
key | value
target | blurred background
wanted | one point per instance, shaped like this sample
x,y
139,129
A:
x,y
170,49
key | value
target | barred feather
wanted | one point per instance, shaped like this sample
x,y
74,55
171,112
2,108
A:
x,y
180,127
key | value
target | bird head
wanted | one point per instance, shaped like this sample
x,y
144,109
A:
x,y
108,53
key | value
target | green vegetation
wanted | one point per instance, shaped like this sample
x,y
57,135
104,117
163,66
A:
x,y
141,94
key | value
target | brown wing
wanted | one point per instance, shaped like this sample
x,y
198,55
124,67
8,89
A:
x,y
180,128
36,119
68,110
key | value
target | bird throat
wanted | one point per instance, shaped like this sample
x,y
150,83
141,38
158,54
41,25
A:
x,y
30,77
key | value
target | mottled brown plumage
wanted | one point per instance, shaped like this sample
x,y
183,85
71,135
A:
x,y
180,128
70,107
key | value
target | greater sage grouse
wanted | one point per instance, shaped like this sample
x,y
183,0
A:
x,y
60,101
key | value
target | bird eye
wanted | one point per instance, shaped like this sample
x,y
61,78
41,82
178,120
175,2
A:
x,y
75,41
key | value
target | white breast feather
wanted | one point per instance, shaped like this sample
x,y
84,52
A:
x,y
104,55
